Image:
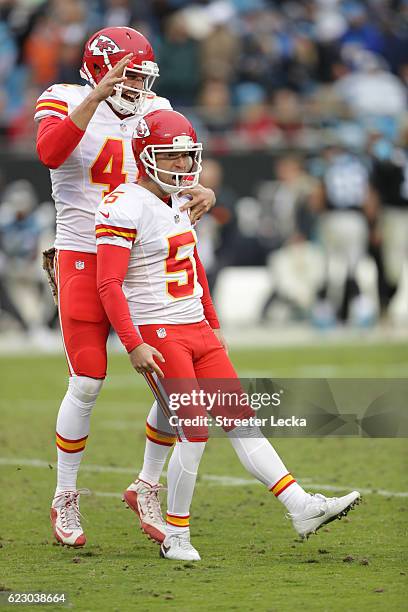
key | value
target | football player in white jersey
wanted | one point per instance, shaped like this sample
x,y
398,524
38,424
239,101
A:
x,y
84,137
151,283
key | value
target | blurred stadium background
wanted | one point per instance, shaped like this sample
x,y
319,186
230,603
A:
x,y
302,107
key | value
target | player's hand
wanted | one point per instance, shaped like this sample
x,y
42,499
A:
x,y
142,359
218,333
105,86
201,200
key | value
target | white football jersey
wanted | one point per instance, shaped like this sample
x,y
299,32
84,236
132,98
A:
x,y
161,283
102,161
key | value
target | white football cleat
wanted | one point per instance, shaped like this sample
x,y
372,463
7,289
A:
x,y
178,547
320,510
143,499
65,518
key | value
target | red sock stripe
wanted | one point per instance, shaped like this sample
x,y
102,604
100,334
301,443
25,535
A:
x,y
71,441
159,441
71,446
178,521
159,437
282,484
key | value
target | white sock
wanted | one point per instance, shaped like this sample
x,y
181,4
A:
x,y
172,530
181,479
159,440
155,456
73,428
294,498
261,460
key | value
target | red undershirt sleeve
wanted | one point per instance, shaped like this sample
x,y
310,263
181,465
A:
x,y
112,266
56,139
209,309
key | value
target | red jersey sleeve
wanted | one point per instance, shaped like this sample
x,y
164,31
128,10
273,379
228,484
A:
x,y
56,139
112,265
209,309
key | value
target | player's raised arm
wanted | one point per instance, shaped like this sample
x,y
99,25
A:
x,y
82,115
59,133
56,138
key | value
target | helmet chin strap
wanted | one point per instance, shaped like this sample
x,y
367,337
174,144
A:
x,y
169,188
117,107
166,187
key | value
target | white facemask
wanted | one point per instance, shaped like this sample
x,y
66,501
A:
x,y
181,144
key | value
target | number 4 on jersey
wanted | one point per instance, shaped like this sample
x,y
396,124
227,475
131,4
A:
x,y
107,168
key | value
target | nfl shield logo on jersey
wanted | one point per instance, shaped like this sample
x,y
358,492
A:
x,y
161,332
79,265
177,218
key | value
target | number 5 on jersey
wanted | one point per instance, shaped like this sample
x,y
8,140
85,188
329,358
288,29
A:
x,y
176,265
107,168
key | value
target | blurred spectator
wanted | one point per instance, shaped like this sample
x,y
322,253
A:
x,y
218,232
288,114
287,226
178,57
389,226
361,31
395,33
256,127
19,236
21,129
69,62
19,229
342,198
371,89
220,50
119,13
215,112
265,47
286,203
41,50
8,52
72,17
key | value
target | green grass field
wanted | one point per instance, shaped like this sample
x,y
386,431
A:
x,y
251,557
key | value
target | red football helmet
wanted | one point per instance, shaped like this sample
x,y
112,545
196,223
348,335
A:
x,y
164,131
105,49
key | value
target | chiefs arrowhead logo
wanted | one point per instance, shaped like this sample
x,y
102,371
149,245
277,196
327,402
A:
x,y
141,129
103,44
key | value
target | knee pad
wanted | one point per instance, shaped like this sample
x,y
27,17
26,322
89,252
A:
x,y
246,432
189,455
84,390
